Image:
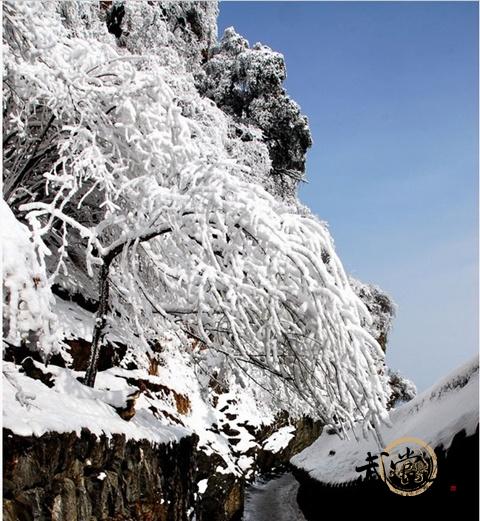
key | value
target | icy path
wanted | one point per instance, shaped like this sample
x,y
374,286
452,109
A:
x,y
273,500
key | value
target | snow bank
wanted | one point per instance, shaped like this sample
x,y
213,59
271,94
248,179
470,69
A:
x,y
434,416
32,408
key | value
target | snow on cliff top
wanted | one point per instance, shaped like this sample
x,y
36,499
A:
x,y
435,416
32,408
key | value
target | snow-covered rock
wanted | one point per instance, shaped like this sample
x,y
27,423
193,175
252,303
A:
x,y
279,439
70,406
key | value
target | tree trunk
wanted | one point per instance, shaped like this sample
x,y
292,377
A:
x,y
104,287
100,323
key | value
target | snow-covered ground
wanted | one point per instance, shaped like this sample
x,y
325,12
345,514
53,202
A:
x,y
435,416
273,500
32,408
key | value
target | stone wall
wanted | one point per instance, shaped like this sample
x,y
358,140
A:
x,y
306,432
63,477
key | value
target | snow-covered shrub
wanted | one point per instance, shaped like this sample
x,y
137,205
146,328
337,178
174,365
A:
x,y
27,299
402,389
381,308
248,84
148,184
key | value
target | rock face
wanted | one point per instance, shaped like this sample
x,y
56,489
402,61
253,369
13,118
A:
x,y
223,499
63,477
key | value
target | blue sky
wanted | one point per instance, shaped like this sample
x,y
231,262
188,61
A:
x,y
391,93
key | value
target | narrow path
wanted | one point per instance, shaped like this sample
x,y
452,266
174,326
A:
x,y
273,500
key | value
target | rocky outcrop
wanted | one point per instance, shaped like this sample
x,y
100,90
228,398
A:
x,y
224,496
63,477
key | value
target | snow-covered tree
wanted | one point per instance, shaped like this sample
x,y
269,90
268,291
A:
x,y
170,29
140,186
248,84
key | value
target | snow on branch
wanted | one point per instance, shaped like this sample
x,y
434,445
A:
x,y
164,217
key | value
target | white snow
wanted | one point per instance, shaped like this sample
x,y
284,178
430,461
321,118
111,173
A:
x,y
279,439
202,485
435,416
70,406
74,321
179,373
27,309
